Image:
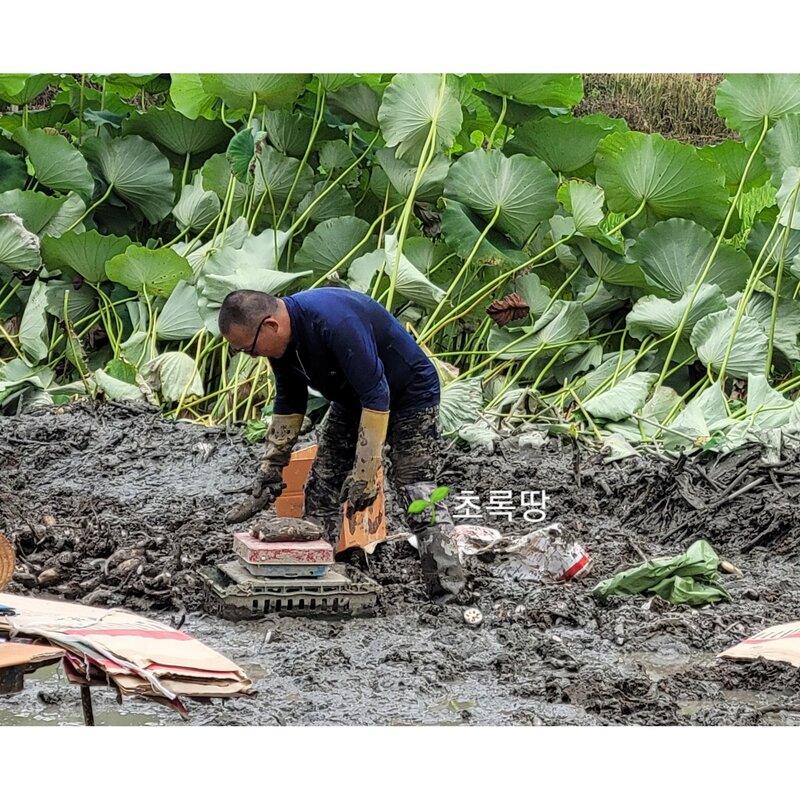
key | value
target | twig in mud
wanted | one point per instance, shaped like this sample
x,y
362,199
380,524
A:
x,y
737,493
638,550
776,484
703,474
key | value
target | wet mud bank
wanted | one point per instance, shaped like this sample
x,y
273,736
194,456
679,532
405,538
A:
x,y
111,505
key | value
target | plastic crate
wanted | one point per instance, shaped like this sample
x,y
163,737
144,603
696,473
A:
x,y
233,593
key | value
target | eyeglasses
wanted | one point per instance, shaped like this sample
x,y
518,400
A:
x,y
249,350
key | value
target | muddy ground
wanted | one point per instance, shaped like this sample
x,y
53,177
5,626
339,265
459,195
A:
x,y
111,505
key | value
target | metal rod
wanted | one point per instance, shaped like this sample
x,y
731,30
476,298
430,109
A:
x,y
86,703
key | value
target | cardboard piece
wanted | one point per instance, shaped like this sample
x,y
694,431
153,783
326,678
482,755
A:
x,y
23,655
367,528
778,643
141,656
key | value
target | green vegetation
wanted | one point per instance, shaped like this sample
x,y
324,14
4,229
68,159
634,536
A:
x,y
656,281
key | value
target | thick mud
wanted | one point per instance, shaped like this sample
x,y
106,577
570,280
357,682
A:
x,y
111,505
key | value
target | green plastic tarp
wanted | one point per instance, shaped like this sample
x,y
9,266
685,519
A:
x,y
688,579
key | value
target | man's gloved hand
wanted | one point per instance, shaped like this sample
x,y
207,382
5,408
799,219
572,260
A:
x,y
361,487
268,484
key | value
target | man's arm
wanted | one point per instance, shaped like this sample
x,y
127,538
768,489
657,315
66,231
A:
x,y
291,391
353,344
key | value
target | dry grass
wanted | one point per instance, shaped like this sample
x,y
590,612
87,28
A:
x,y
676,105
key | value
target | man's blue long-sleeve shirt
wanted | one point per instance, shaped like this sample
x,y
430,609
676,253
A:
x,y
352,351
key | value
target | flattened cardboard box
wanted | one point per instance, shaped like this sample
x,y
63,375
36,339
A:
x,y
778,643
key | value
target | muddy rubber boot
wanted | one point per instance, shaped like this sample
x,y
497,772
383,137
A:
x,y
441,567
329,525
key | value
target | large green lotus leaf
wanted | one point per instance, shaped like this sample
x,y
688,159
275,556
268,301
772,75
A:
x,y
662,316
33,338
613,269
670,177
618,364
335,203
567,371
179,319
760,240
401,174
13,174
788,198
233,237
197,207
273,90
333,81
766,407
782,147
622,400
56,163
461,230
745,100
364,269
596,299
585,202
710,340
411,283
787,322
251,252
461,404
114,388
562,324
334,242
19,248
216,174
170,128
189,97
731,157
35,209
533,292
356,103
564,143
174,375
67,214
289,133
425,254
411,104
275,172
155,272
547,91
702,415
86,253
654,413
240,152
80,302
21,89
335,155
137,170
673,254
53,117
522,187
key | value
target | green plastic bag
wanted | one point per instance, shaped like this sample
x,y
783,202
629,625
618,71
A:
x,y
689,579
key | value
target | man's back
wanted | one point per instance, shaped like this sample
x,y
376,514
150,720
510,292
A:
x,y
353,351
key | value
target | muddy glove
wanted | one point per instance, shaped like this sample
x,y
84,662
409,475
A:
x,y
268,485
361,487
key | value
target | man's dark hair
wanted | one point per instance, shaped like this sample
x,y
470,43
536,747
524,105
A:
x,y
245,308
